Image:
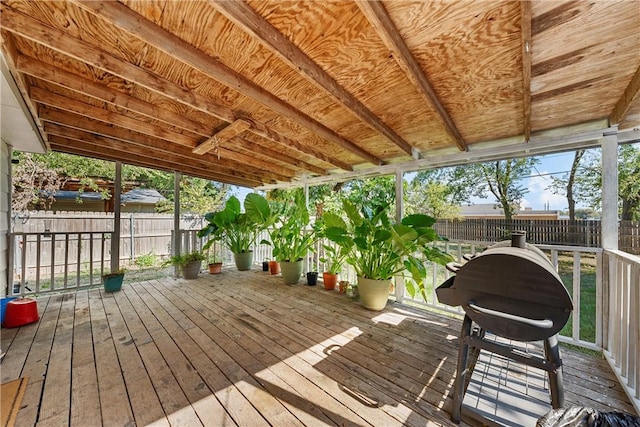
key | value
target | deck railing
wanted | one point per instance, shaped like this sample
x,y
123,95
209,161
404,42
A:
x,y
623,329
52,262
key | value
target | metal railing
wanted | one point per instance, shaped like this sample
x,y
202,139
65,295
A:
x,y
51,262
623,327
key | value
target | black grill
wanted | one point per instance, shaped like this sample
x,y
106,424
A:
x,y
513,291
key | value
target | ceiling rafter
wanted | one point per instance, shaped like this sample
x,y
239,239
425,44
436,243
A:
x,y
68,131
45,97
128,20
525,23
85,124
59,41
231,130
629,96
245,17
42,71
109,153
274,154
380,20
46,72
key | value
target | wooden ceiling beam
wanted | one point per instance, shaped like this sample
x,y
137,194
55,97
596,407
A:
x,y
180,157
150,143
96,113
629,96
58,76
51,99
525,23
245,17
274,154
107,153
264,132
380,20
34,30
234,129
128,20
46,72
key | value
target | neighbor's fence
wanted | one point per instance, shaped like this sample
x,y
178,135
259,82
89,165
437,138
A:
x,y
583,233
623,341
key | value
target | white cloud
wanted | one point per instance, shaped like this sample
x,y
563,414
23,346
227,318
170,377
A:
x,y
538,195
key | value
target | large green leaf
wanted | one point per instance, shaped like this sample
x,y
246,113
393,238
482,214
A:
x,y
333,220
257,208
233,205
418,220
352,213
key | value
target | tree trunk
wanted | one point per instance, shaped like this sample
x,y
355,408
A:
x,y
570,182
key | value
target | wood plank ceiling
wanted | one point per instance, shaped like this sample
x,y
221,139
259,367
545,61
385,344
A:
x,y
260,92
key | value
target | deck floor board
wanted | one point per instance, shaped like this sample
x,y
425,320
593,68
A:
x,y
242,348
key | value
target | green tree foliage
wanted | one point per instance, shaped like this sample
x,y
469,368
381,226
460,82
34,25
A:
x,y
428,194
587,183
501,178
197,195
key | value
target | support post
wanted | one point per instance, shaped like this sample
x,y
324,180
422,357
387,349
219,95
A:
x,y
610,191
306,204
115,239
177,176
399,214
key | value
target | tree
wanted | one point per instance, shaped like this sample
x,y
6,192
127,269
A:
x,y
432,198
501,178
567,184
198,195
587,183
34,184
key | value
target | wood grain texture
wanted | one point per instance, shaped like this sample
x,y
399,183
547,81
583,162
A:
x,y
234,129
181,70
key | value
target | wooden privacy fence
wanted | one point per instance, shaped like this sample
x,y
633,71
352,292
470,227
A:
x,y
583,233
140,233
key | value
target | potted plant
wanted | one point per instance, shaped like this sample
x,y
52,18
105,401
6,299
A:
x,y
112,282
189,263
291,238
214,261
238,230
379,249
334,258
312,278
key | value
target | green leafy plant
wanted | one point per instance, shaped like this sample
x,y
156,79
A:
x,y
181,260
291,237
379,249
234,229
146,260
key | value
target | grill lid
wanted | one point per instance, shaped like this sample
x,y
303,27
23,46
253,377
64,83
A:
x,y
514,292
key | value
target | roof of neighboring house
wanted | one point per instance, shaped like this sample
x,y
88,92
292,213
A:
x,y
142,195
493,209
138,195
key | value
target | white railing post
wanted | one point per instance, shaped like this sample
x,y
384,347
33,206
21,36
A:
x,y
399,214
175,245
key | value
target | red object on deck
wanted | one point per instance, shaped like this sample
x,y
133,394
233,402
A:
x,y
20,312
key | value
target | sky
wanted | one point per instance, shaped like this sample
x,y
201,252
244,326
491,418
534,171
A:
x,y
538,196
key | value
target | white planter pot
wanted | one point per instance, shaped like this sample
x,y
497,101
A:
x,y
373,293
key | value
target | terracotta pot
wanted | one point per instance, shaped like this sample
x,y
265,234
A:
x,y
330,280
215,268
274,267
343,285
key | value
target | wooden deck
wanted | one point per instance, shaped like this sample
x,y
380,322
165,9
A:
x,y
242,348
